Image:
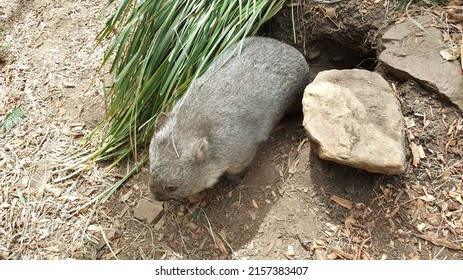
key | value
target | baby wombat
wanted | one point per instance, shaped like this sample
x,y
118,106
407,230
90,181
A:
x,y
217,126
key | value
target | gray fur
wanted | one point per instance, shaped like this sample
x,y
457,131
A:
x,y
217,126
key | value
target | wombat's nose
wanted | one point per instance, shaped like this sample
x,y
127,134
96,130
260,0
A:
x,y
160,195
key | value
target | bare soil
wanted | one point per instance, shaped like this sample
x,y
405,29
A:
x,y
289,204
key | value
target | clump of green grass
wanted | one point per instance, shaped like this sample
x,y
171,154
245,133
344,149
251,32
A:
x,y
158,48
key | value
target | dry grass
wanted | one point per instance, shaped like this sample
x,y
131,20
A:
x,y
41,210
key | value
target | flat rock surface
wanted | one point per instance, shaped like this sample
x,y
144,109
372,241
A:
x,y
149,211
411,53
353,118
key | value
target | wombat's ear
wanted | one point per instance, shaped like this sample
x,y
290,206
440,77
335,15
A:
x,y
200,150
160,121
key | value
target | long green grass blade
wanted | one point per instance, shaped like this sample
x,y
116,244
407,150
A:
x,y
12,119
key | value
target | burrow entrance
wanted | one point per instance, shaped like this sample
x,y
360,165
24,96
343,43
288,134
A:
x,y
341,36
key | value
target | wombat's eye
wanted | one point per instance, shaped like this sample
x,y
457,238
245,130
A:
x,y
171,189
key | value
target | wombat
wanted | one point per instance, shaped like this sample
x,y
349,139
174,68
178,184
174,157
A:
x,y
216,127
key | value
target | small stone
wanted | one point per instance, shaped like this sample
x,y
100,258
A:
x,y
148,211
290,251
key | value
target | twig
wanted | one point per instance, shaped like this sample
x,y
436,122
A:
x,y
341,253
359,250
439,242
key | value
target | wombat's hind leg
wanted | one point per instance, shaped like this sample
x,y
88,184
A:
x,y
235,174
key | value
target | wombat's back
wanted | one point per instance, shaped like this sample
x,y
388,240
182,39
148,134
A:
x,y
249,85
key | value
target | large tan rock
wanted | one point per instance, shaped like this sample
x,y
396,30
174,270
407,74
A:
x,y
353,118
411,53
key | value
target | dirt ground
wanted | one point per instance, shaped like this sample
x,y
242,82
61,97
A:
x,y
290,204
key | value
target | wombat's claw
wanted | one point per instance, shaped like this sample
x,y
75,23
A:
x,y
233,179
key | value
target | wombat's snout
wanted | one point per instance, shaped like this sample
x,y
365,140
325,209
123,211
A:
x,y
160,193
160,196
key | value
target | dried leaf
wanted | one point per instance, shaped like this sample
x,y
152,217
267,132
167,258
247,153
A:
x,y
445,175
392,224
450,54
66,131
421,152
452,127
319,255
459,199
342,201
254,204
453,194
318,244
218,243
125,196
433,219
351,219
427,198
415,154
331,256
94,228
41,176
421,226
341,253
56,192
293,160
394,212
61,112
334,228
